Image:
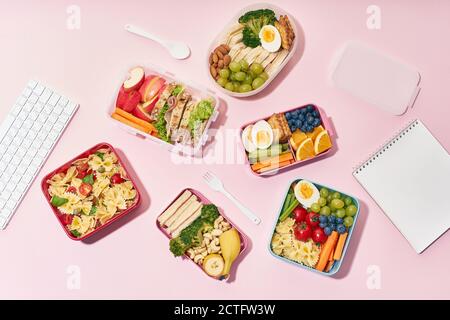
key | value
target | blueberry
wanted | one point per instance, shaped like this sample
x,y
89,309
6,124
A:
x,y
302,111
303,128
341,229
310,128
339,221
290,121
322,225
301,116
299,123
293,128
310,120
333,226
295,113
315,113
332,219
310,108
323,218
288,115
327,230
316,122
308,114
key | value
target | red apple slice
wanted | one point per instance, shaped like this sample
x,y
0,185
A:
x,y
132,100
121,98
135,79
141,114
149,105
151,87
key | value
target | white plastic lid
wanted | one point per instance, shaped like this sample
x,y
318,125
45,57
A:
x,y
376,78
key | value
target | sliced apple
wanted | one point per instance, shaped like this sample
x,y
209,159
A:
x,y
121,97
135,79
141,113
151,87
129,100
149,105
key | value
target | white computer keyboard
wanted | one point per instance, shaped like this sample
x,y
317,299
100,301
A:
x,y
27,136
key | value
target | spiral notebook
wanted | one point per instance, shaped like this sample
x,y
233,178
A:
x,y
409,178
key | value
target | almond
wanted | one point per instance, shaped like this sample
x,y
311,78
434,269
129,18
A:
x,y
219,54
222,49
220,64
226,60
211,58
213,71
215,58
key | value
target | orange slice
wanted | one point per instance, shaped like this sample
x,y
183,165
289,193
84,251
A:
x,y
297,138
323,142
305,150
315,132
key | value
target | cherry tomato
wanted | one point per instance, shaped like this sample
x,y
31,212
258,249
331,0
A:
x,y
116,179
312,219
85,189
302,232
81,174
71,189
319,236
300,214
66,219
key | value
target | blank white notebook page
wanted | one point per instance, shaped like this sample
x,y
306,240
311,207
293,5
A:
x,y
409,179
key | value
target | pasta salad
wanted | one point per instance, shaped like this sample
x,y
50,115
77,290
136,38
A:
x,y
91,192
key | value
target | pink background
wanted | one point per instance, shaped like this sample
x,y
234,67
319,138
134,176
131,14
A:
x,y
134,260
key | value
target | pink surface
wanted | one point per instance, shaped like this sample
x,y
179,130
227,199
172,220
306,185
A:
x,y
134,260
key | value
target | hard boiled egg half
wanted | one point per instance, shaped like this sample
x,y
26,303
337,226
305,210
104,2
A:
x,y
270,38
306,193
262,134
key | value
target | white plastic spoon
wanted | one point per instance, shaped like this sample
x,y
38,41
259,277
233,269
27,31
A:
x,y
178,50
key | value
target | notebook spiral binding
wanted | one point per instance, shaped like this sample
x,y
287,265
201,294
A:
x,y
384,147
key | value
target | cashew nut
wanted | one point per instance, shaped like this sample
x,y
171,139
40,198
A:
x,y
217,221
191,253
216,232
207,236
198,258
205,253
215,247
224,226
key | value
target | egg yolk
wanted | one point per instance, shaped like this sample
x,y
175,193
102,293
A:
x,y
268,35
306,191
262,138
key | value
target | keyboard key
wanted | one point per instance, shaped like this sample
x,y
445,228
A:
x,y
2,203
28,107
38,107
16,196
27,92
70,108
21,100
63,101
33,98
6,124
54,99
5,195
10,205
15,179
15,110
21,187
39,89
32,84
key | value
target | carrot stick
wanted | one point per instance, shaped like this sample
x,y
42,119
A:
x,y
274,166
326,250
128,122
331,255
329,266
284,157
136,120
340,246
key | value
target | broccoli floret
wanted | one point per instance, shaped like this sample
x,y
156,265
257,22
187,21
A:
x,y
192,235
253,21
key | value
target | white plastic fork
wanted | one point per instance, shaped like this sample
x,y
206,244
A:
x,y
217,185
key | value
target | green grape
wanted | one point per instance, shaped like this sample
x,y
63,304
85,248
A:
x,y
234,66
351,210
245,88
322,201
222,82
264,76
240,76
257,68
333,209
329,198
248,79
348,222
336,195
324,192
232,76
252,74
236,85
229,86
348,201
258,82
337,203
224,73
325,211
244,65
315,207
340,213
